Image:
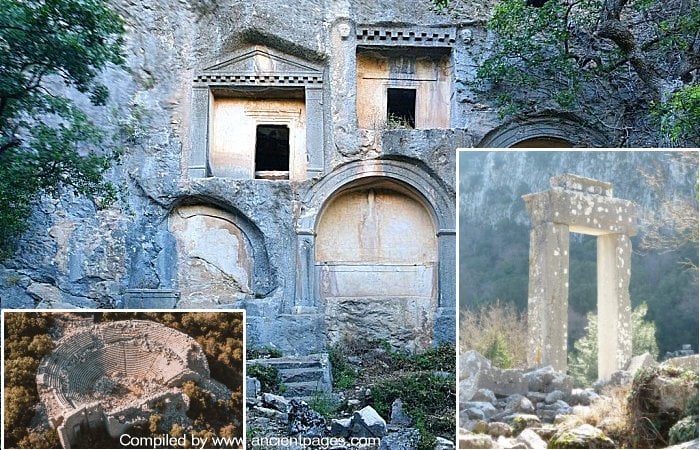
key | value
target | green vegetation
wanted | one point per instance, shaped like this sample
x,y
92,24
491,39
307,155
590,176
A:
x,y
26,342
47,142
587,55
263,353
496,331
324,404
684,430
268,376
583,361
428,399
342,372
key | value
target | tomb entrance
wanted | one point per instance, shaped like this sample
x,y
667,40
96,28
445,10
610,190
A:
x,y
376,264
580,205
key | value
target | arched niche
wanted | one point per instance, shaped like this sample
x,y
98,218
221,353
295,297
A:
x,y
372,189
551,130
221,257
375,261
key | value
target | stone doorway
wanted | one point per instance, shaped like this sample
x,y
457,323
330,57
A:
x,y
580,205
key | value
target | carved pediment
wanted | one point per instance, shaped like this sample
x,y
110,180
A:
x,y
261,65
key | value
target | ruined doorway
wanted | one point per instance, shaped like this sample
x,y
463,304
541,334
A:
x,y
376,265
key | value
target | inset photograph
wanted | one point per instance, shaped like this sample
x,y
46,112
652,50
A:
x,y
122,379
578,295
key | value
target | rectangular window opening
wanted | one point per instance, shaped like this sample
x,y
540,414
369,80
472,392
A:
x,y
272,152
401,108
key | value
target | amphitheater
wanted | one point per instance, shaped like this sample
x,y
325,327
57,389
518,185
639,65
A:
x,y
114,375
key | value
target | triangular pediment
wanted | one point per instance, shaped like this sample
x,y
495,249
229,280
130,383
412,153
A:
x,y
260,60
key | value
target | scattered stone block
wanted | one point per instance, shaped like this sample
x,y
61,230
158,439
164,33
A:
x,y
499,429
340,427
252,387
554,396
531,439
442,444
367,423
485,395
546,380
398,416
276,401
476,441
684,362
640,362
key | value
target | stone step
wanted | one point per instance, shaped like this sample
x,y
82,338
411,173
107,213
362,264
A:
x,y
303,375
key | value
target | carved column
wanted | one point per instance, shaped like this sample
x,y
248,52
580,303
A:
x,y
614,309
197,166
548,295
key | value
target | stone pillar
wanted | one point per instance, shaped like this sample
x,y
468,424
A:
x,y
614,309
197,164
548,295
305,280
314,130
445,321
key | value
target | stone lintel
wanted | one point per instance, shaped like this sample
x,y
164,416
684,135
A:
x,y
583,212
578,183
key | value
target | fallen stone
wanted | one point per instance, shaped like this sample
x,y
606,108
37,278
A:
x,y
695,443
479,410
252,387
271,414
275,401
582,397
554,396
546,379
504,442
476,441
471,364
484,395
520,404
441,444
531,439
340,428
304,421
521,421
398,416
582,436
367,423
536,397
405,439
499,429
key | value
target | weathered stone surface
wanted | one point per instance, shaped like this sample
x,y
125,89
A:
x,y
484,395
695,443
582,436
276,401
367,423
304,421
340,427
554,396
398,416
582,397
404,439
252,387
531,439
520,404
442,444
640,362
546,380
499,429
690,362
478,410
476,441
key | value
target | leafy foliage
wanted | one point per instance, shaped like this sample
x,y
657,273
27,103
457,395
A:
x,y
583,361
584,55
46,141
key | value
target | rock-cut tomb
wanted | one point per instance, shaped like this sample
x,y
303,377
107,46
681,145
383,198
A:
x,y
114,375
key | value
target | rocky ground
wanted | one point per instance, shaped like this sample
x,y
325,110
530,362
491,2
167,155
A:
x,y
363,402
539,408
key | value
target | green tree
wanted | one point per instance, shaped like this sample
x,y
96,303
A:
x,y
583,361
589,56
46,141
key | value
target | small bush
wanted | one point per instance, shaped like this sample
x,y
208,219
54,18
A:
x,y
427,398
324,404
684,430
268,376
263,353
343,373
496,331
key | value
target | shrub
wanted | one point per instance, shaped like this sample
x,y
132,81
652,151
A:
x,y
343,373
268,376
583,361
496,331
684,430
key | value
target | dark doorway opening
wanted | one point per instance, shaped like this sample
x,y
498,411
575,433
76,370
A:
x,y
271,150
401,107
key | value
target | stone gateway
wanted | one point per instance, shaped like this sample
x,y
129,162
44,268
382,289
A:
x,y
579,205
